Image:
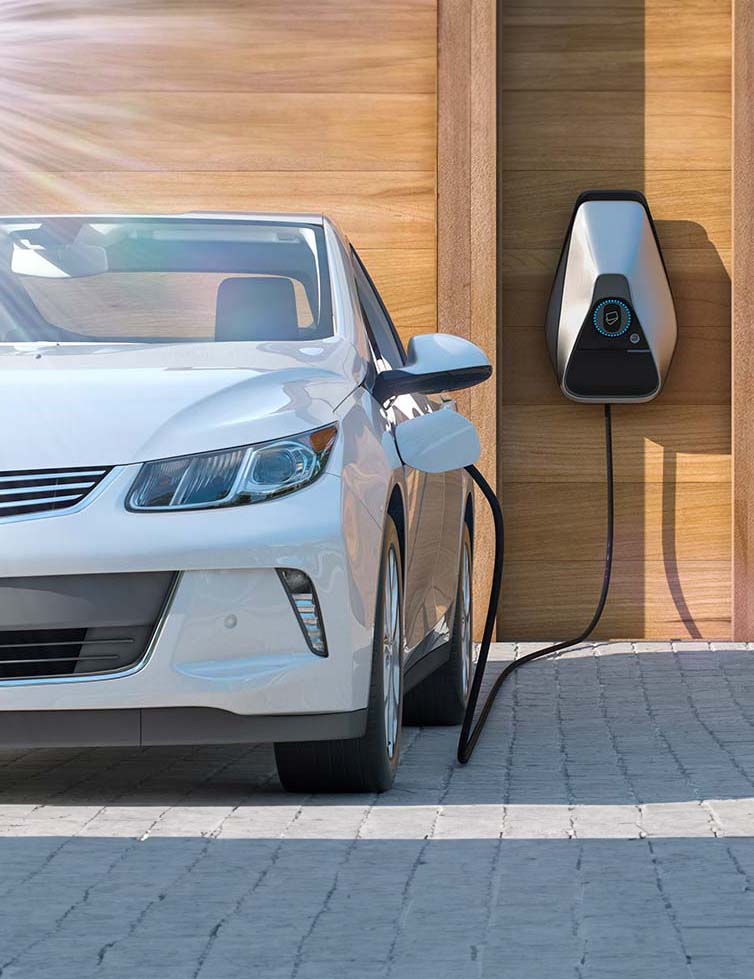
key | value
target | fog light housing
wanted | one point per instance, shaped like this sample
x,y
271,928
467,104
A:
x,y
303,598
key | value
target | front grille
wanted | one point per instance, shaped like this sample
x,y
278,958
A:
x,y
29,491
80,625
59,652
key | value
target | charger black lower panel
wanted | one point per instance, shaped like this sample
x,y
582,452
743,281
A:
x,y
611,374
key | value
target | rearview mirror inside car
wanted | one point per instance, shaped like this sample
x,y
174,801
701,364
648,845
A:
x,y
435,362
438,442
60,262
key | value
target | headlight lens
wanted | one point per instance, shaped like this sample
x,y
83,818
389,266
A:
x,y
232,477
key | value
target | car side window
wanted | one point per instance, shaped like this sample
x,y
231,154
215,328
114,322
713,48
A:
x,y
385,340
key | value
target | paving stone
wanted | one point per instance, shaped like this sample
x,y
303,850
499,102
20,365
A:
x,y
604,829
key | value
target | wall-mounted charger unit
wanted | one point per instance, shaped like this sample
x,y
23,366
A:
x,y
611,333
611,327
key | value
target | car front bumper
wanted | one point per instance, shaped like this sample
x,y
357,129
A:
x,y
228,659
169,726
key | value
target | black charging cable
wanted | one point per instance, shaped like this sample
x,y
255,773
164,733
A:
x,y
469,737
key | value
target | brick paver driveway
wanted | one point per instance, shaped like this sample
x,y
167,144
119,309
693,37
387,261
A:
x,y
603,829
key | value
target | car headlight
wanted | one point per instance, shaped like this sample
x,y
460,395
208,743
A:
x,y
232,477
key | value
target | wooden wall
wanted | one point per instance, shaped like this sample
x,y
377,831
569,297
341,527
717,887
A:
x,y
331,105
320,105
617,93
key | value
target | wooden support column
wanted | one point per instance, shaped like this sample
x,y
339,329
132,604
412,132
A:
x,y
743,320
467,222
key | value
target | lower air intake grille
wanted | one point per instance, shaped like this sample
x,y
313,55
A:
x,y
24,492
79,625
56,652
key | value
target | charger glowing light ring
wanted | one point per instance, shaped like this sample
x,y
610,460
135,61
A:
x,y
611,302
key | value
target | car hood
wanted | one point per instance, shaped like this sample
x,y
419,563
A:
x,y
84,404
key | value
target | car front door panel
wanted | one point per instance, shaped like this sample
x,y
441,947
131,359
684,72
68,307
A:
x,y
425,503
449,534
427,577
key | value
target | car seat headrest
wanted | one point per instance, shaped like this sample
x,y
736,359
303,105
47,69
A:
x,y
256,308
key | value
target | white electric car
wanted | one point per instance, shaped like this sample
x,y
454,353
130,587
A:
x,y
232,509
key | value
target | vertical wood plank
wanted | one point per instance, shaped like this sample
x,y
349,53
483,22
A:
x,y
466,221
454,166
743,330
483,219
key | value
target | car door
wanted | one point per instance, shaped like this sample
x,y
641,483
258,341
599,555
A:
x,y
449,557
426,519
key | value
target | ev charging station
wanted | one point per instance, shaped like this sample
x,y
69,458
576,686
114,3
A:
x,y
610,326
611,333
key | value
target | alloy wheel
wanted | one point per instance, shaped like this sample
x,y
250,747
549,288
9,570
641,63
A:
x,y
391,651
467,646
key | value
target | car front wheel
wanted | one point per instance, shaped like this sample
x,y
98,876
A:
x,y
365,764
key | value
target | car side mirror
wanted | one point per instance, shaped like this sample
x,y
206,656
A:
x,y
435,362
438,442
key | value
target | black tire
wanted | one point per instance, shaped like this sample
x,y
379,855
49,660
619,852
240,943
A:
x,y
365,764
441,698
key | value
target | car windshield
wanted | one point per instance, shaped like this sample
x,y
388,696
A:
x,y
158,280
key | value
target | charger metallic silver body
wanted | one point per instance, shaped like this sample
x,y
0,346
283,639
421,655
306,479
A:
x,y
611,324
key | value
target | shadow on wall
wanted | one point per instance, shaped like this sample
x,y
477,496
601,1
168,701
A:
x,y
701,374
563,82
